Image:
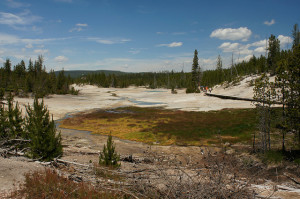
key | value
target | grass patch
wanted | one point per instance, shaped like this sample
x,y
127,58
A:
x,y
273,157
167,127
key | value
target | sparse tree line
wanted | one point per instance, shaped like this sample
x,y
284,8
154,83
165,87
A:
x,y
33,79
165,79
286,90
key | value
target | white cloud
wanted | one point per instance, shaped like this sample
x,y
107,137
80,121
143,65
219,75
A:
x,y
229,47
6,39
82,24
11,19
242,33
207,63
235,47
172,45
260,50
16,20
1,60
15,4
78,27
29,46
41,51
260,43
135,51
246,58
269,23
61,59
109,41
284,40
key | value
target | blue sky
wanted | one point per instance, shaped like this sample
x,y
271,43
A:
x,y
141,35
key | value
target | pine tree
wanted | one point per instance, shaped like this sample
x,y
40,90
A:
x,y
45,143
293,98
195,67
264,93
15,119
220,69
109,156
281,81
274,52
4,124
296,35
62,86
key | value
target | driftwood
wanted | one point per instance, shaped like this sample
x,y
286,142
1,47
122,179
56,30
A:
x,y
288,188
291,178
4,142
69,162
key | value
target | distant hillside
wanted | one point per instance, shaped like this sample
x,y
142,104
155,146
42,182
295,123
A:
x,y
80,73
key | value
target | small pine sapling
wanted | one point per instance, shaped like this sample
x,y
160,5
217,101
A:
x,y
109,157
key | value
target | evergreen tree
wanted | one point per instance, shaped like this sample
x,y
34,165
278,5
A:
x,y
219,63
195,72
296,35
7,73
62,84
220,69
274,53
15,119
264,93
4,124
281,81
293,98
45,143
109,156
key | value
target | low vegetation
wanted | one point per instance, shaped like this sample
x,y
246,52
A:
x,y
167,127
109,157
48,184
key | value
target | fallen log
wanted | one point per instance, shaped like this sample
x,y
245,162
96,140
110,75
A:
x,y
236,98
69,162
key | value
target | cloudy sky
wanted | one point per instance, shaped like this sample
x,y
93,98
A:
x,y
141,35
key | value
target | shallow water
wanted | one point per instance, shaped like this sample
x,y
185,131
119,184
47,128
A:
x,y
143,103
154,91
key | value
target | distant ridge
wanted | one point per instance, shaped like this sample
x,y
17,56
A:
x,y
80,73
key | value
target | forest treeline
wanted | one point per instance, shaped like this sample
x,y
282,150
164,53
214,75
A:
x,y
34,78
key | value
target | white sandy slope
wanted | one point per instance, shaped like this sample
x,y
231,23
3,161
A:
x,y
92,97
